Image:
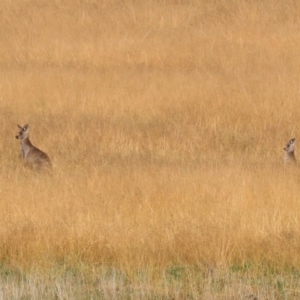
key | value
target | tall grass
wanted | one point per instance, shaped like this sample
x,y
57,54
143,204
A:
x,y
165,122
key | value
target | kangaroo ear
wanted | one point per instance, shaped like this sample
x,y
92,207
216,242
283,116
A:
x,y
19,126
25,128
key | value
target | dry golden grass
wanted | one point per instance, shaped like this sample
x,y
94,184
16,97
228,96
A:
x,y
165,122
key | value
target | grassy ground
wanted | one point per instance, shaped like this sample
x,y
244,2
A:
x,y
165,122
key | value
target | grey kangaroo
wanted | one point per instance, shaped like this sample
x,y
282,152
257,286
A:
x,y
32,156
289,156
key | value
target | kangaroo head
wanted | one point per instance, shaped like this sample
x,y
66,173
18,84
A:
x,y
290,146
23,133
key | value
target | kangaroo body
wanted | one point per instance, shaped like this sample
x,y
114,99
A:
x,y
32,156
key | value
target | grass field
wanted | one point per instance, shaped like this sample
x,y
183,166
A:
x,y
165,122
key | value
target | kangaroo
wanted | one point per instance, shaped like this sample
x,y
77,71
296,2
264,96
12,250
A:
x,y
289,156
32,156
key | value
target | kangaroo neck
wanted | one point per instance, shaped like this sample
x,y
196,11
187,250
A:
x,y
290,156
25,146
